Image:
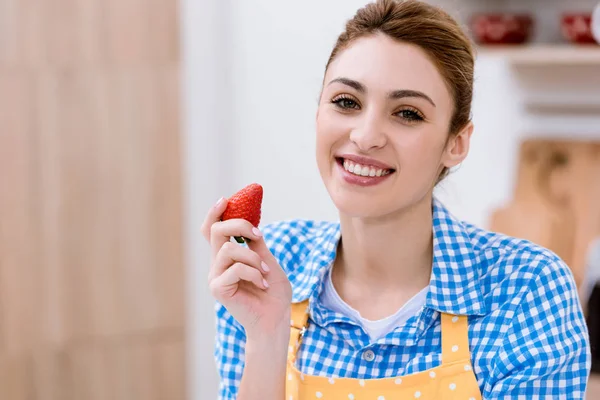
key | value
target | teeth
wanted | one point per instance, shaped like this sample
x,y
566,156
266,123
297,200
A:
x,y
363,170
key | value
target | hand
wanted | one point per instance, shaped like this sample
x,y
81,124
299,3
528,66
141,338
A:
x,y
248,281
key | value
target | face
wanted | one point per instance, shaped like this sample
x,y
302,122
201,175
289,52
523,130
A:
x,y
382,128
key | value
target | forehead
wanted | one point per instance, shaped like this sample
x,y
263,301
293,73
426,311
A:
x,y
383,64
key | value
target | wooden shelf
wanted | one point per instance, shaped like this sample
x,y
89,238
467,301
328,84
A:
x,y
545,55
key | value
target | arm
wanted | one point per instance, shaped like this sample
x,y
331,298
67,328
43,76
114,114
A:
x,y
266,362
545,353
249,368
253,310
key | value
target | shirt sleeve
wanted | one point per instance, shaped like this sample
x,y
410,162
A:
x,y
545,353
229,353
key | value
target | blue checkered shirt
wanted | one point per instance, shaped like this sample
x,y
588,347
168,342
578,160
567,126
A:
x,y
527,332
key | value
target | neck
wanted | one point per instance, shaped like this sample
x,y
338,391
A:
x,y
392,254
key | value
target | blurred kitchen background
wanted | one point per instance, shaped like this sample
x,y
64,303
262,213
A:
x,y
123,121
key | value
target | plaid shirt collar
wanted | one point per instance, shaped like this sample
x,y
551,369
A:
x,y
455,274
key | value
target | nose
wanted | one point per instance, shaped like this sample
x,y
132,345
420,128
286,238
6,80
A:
x,y
369,133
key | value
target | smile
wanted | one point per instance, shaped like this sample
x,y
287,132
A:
x,y
363,170
355,173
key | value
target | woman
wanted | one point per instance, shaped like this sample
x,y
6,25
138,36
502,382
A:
x,y
399,299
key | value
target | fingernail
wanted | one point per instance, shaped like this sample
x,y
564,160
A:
x,y
264,266
265,283
256,232
218,203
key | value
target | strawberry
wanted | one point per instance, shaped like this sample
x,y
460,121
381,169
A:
x,y
245,204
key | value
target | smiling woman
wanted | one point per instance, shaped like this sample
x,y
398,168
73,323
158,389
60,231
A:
x,y
399,299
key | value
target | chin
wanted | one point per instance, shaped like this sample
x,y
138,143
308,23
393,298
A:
x,y
372,204
358,205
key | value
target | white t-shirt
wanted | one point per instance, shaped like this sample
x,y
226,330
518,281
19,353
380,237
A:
x,y
376,329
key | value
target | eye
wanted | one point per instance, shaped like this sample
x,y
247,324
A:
x,y
410,115
345,102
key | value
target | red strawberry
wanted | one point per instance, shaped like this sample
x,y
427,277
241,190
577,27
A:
x,y
245,204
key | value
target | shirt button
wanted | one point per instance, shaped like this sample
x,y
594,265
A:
x,y
368,355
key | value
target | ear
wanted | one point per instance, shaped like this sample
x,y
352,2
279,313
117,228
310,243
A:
x,y
457,147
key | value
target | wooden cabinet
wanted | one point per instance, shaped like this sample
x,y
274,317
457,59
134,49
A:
x,y
91,257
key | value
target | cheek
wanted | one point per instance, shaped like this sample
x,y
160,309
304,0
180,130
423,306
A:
x,y
421,152
330,130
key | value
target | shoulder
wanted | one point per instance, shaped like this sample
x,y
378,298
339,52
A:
x,y
511,267
490,259
292,241
519,255
304,250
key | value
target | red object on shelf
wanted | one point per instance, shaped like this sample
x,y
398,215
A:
x,y
577,27
501,28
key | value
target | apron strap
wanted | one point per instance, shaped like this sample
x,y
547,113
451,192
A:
x,y
455,338
298,324
455,334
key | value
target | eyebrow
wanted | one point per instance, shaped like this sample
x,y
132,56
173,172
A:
x,y
396,94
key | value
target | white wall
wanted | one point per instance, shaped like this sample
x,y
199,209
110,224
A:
x,y
253,71
280,50
204,89
278,56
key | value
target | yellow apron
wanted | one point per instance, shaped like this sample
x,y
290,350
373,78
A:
x,y
453,379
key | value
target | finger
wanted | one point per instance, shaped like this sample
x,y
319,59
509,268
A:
x,y
260,247
231,253
213,215
233,275
221,232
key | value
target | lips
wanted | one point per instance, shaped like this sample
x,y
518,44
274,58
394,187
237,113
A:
x,y
363,171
